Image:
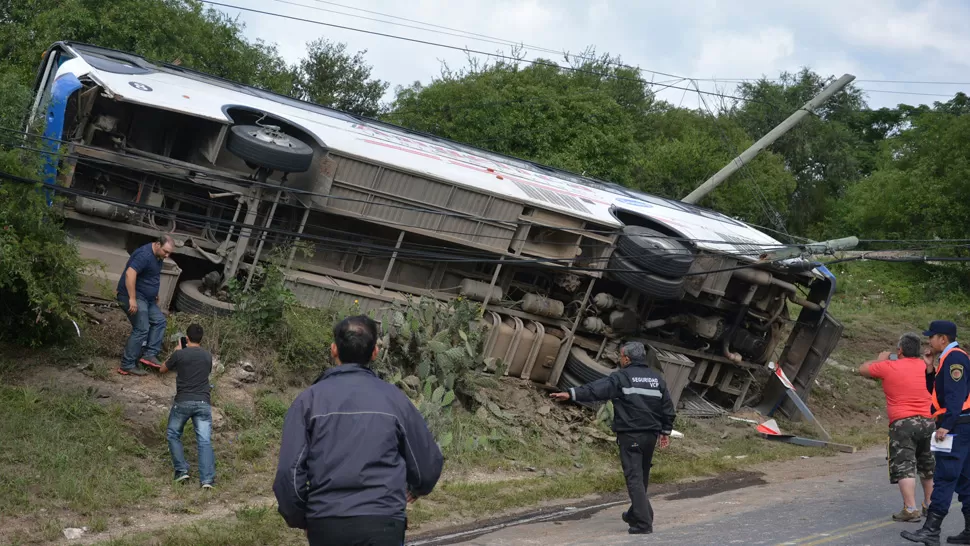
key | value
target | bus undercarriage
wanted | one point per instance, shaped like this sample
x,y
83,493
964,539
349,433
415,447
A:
x,y
559,291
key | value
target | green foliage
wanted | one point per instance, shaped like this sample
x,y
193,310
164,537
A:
x,y
173,31
62,448
825,152
903,284
573,120
263,306
684,148
187,33
39,265
600,120
328,75
427,339
920,188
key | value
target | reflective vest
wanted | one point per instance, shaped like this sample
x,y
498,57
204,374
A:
x,y
936,402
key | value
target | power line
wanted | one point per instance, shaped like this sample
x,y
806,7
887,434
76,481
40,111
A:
x,y
431,257
504,41
273,186
913,82
213,203
457,48
472,35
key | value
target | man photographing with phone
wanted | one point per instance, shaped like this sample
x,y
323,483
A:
x,y
193,364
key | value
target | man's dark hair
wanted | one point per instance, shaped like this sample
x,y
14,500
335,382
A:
x,y
356,338
165,238
910,344
194,333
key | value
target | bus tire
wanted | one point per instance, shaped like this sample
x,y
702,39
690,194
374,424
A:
x,y
582,366
649,284
655,251
190,299
270,149
568,381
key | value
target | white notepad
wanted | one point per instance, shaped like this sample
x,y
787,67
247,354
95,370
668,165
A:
x,y
945,446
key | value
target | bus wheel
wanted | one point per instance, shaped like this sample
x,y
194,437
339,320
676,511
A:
x,y
655,251
190,299
270,148
650,284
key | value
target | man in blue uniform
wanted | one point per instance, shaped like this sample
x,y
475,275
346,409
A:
x,y
643,419
138,297
951,408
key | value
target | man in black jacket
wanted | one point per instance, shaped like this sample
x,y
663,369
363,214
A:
x,y
642,411
355,450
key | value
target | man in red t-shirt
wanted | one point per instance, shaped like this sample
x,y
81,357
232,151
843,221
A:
x,y
908,403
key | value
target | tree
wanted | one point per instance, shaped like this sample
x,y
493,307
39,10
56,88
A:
x,y
686,147
331,77
923,177
596,118
573,119
162,30
825,152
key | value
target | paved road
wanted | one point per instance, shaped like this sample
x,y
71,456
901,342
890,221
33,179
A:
x,y
844,500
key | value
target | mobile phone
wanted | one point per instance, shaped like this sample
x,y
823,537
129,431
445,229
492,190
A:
x,y
893,356
183,342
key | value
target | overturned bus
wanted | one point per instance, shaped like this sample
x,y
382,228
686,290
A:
x,y
565,266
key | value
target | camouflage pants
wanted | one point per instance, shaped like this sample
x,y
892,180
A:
x,y
909,449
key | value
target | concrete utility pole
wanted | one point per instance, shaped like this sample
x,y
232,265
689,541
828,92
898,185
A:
x,y
824,247
765,141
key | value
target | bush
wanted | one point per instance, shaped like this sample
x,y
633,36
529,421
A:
x,y
285,340
430,339
39,265
903,283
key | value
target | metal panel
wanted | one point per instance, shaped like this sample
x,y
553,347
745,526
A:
x,y
357,173
805,353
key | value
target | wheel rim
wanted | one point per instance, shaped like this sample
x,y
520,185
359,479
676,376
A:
x,y
271,134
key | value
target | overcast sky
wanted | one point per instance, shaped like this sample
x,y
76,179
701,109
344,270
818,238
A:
x,y
704,39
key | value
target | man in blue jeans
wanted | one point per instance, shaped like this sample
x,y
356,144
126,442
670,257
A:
x,y
193,364
138,297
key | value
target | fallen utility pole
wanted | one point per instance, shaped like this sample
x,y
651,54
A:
x,y
824,247
765,141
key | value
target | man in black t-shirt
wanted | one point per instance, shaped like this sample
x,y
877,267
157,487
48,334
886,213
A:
x,y
193,364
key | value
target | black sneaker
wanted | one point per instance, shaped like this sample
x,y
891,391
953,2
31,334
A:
x,y
132,371
639,531
207,487
182,477
626,517
151,361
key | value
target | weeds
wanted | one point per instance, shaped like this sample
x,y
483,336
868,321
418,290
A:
x,y
256,526
433,340
63,449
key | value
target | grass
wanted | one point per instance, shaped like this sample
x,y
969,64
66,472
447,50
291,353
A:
x,y
64,450
256,526
55,455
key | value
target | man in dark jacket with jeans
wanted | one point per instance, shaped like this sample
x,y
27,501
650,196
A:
x,y
642,411
355,450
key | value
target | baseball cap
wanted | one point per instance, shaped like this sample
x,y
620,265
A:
x,y
943,327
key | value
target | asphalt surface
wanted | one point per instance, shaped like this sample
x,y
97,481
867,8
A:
x,y
844,500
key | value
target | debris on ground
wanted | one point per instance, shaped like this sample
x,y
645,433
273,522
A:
x,y
74,533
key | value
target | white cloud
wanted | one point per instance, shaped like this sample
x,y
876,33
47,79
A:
x,y
727,54
698,38
924,29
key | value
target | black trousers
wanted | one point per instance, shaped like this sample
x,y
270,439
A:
x,y
636,456
356,531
